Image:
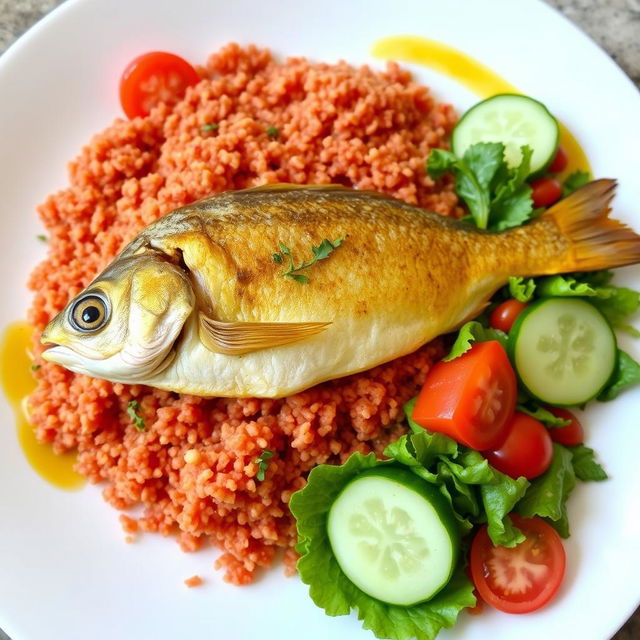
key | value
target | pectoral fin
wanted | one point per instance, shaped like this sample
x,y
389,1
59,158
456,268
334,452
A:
x,y
236,338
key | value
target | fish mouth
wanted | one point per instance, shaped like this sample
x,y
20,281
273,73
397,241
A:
x,y
64,356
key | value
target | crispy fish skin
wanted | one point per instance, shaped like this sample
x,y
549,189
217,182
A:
x,y
401,277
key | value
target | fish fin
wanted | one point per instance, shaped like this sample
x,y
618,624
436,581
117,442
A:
x,y
288,186
236,338
597,241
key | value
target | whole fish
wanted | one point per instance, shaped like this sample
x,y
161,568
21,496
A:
x,y
211,300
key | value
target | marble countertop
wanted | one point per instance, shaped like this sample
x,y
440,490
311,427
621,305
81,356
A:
x,y
614,25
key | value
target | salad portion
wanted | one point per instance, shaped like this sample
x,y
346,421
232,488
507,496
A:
x,y
470,504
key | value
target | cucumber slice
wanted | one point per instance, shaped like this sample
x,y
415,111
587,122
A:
x,y
564,350
514,120
394,536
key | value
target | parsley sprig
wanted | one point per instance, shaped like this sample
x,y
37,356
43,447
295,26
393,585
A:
x,y
132,412
321,252
263,464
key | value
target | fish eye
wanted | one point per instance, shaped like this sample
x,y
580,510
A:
x,y
89,313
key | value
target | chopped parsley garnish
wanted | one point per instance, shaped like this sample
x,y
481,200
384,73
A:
x,y
263,463
132,412
321,252
211,126
41,237
272,132
35,367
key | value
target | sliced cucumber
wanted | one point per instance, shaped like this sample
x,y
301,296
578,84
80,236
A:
x,y
394,536
514,120
563,349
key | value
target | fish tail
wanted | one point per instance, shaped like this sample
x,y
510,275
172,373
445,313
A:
x,y
595,240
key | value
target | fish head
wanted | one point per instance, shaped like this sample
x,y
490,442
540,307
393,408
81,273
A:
x,y
123,327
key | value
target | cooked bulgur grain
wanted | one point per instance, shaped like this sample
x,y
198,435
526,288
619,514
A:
x,y
193,468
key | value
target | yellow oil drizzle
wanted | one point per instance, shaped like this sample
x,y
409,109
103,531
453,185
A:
x,y
18,383
472,74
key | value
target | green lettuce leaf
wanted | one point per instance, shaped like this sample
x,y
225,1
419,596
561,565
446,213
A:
x,y
471,333
547,495
625,374
332,591
533,409
522,289
585,466
477,492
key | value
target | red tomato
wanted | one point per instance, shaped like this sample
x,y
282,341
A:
x,y
470,398
505,314
527,450
546,191
570,435
560,161
521,579
153,78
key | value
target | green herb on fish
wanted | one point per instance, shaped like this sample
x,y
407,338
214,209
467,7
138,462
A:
x,y
263,464
132,412
209,127
272,132
321,252
498,197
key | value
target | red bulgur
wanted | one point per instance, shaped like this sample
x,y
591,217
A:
x,y
194,466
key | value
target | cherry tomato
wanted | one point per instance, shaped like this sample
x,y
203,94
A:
x,y
526,451
546,191
505,314
560,161
569,435
524,578
470,398
153,78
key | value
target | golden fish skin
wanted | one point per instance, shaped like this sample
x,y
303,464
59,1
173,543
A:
x,y
401,277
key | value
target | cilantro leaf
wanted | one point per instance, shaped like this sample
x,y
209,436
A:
x,y
574,181
210,126
521,289
473,332
132,412
625,374
548,493
497,196
585,466
272,132
263,464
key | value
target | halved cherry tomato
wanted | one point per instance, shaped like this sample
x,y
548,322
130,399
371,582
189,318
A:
x,y
524,578
153,78
505,314
527,450
569,435
470,398
546,191
560,161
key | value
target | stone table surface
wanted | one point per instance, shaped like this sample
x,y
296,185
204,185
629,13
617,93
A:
x,y
613,24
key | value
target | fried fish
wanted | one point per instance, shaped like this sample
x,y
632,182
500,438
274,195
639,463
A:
x,y
268,291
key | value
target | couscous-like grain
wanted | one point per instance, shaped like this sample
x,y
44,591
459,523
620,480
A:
x,y
194,467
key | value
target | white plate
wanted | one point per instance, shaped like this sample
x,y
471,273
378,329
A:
x,y
65,571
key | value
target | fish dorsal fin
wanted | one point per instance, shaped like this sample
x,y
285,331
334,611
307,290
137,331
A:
x,y
288,186
236,338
